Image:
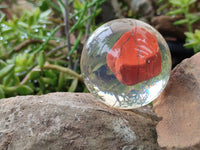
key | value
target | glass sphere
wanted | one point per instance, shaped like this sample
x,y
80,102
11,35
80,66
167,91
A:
x,y
126,63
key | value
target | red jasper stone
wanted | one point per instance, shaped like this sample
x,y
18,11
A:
x,y
135,57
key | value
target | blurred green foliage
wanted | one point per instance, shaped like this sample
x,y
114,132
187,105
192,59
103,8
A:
x,y
189,10
34,56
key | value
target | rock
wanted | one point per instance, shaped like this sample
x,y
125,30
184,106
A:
x,y
179,107
73,121
134,57
164,24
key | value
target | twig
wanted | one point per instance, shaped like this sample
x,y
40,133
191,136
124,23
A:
x,y
91,17
25,43
53,5
47,40
76,64
56,20
66,20
56,49
76,43
26,78
89,5
38,37
79,19
60,57
56,60
54,67
95,9
87,26
63,69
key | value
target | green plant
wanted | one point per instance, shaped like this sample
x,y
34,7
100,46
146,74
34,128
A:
x,y
34,58
186,9
193,40
182,7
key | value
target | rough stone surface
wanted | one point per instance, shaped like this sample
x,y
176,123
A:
x,y
164,24
73,121
179,107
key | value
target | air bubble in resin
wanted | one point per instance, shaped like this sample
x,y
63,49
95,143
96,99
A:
x,y
126,63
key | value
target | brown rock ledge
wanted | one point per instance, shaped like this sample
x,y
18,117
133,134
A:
x,y
179,107
73,121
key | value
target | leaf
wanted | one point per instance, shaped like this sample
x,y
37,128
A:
x,y
62,7
7,30
50,74
76,43
3,16
185,2
194,20
98,11
30,21
60,81
196,49
2,93
193,36
159,2
36,15
176,2
30,59
2,63
162,7
16,79
41,85
73,86
193,17
24,90
197,35
6,70
42,59
7,80
39,49
179,22
22,24
34,75
48,80
44,6
54,6
78,5
84,10
191,1
175,12
190,44
189,35
45,14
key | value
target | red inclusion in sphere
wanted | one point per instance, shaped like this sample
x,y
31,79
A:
x,y
135,57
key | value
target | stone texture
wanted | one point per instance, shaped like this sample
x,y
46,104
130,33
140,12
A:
x,y
179,107
73,121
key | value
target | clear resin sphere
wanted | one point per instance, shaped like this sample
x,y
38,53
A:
x,y
126,63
